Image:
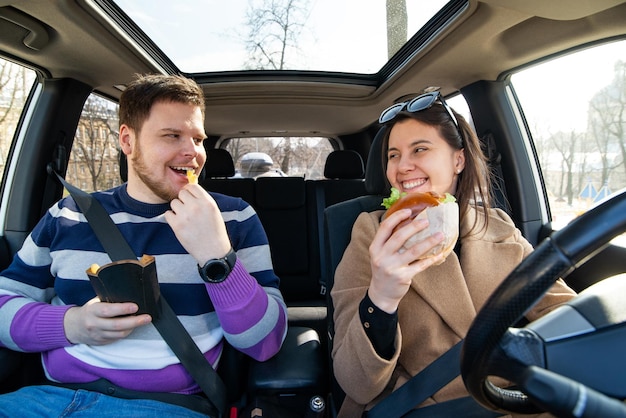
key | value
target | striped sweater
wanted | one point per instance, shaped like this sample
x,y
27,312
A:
x,y
47,277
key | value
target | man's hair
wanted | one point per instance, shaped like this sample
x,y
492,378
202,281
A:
x,y
146,90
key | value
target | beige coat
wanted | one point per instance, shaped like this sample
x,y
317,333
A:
x,y
435,313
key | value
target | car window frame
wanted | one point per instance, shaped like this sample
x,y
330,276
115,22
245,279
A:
x,y
17,144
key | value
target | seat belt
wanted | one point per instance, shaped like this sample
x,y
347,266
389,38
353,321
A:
x,y
401,402
166,323
320,205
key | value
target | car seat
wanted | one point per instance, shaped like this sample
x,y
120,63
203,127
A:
x,y
339,219
344,164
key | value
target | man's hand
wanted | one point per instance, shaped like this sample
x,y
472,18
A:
x,y
198,224
99,323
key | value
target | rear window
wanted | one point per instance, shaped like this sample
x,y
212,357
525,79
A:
x,y
94,157
280,156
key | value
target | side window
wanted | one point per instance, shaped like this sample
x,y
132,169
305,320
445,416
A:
x,y
459,104
280,156
16,82
575,107
93,161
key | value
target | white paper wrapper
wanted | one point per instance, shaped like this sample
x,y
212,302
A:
x,y
444,218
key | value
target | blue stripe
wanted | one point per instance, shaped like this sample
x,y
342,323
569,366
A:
x,y
65,228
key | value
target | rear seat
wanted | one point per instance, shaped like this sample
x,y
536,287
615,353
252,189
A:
x,y
281,206
291,210
344,174
215,176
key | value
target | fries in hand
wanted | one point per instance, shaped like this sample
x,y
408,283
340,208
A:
x,y
191,177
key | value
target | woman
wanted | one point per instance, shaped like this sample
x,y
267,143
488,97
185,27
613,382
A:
x,y
396,313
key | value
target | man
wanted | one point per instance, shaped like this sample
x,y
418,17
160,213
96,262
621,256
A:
x,y
47,304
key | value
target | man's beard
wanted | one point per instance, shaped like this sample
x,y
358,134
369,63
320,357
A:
x,y
143,172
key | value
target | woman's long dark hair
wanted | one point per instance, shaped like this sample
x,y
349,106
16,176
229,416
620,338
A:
x,y
474,183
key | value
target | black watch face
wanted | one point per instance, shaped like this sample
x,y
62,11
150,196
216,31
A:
x,y
216,271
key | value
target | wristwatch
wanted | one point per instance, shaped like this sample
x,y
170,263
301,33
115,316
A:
x,y
217,269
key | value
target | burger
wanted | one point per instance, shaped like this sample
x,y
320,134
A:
x,y
442,213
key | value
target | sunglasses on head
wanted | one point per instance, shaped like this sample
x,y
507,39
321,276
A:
x,y
419,103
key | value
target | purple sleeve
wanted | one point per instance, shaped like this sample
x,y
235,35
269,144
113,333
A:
x,y
254,321
35,326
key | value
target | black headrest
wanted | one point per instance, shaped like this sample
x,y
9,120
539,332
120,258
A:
x,y
344,164
219,163
123,164
375,177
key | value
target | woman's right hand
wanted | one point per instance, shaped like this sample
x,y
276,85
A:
x,y
99,323
393,267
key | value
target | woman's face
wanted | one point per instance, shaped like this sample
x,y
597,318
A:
x,y
420,160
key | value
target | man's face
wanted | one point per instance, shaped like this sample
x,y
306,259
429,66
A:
x,y
169,143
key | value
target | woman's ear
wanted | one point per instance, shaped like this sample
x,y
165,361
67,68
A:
x,y
459,161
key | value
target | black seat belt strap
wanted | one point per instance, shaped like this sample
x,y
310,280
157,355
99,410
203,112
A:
x,y
421,386
320,205
167,323
465,407
102,225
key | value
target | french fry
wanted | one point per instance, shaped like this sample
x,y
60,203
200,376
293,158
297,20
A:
x,y
94,268
191,177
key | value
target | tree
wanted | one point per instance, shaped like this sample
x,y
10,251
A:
x,y
15,81
607,124
567,145
396,26
274,29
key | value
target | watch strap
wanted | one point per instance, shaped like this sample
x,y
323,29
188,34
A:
x,y
229,260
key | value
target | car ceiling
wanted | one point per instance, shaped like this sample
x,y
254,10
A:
x,y
67,39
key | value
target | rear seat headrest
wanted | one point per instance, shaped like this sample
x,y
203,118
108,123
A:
x,y
375,178
344,164
219,163
123,165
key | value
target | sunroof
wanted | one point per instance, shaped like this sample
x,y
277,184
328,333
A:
x,y
317,35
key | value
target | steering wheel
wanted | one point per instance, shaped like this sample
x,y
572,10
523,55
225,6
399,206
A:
x,y
493,348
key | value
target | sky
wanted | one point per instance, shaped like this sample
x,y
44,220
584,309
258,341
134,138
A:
x,y
347,35
560,91
206,40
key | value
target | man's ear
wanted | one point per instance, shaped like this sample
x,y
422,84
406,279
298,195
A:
x,y
127,139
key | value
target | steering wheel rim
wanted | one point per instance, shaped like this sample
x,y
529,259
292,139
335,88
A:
x,y
556,257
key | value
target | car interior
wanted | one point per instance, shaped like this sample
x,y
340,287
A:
x,y
62,55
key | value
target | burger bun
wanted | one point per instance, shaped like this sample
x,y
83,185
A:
x,y
442,216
